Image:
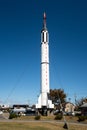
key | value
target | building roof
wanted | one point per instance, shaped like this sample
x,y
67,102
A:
x,y
20,105
84,105
64,104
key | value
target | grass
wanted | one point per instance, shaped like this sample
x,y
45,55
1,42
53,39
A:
x,y
29,123
68,118
38,126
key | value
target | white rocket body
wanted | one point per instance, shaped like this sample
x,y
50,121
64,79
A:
x,y
43,100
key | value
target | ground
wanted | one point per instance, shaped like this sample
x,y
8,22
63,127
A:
x,y
45,123
38,126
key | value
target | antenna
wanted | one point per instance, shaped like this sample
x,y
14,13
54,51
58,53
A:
x,y
44,22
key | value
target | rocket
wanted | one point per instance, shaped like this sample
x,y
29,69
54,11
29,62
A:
x,y
43,101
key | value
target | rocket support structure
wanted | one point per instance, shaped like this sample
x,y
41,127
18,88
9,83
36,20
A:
x,y
43,101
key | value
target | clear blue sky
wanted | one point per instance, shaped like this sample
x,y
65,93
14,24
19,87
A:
x,y
20,27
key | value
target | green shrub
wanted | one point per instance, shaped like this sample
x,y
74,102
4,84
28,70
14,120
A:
x,y
81,118
13,115
59,116
37,117
86,117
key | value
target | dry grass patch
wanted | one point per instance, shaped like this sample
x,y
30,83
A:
x,y
29,126
37,126
33,118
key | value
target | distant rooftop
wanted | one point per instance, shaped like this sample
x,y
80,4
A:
x,y
84,105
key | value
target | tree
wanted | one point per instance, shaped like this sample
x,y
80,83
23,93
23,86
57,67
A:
x,y
81,101
85,100
33,106
57,95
